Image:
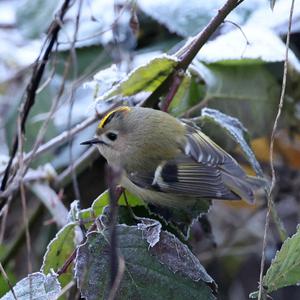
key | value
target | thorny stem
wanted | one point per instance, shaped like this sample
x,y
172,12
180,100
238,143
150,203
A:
x,y
261,292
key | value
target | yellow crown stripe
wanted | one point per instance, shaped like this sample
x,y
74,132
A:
x,y
118,109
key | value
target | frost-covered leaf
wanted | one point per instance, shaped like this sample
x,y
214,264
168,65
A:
x,y
37,286
247,92
17,54
181,219
278,18
34,17
151,229
285,267
237,131
187,18
263,47
169,267
58,250
145,78
96,27
104,80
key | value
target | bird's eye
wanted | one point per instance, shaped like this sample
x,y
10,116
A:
x,y
111,136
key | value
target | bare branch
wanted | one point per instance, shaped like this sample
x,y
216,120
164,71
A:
x,y
38,71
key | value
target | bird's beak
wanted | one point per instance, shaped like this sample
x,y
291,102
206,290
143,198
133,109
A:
x,y
92,142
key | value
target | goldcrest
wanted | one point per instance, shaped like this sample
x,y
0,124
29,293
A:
x,y
167,162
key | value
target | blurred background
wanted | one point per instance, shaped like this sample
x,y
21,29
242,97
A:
x,y
239,72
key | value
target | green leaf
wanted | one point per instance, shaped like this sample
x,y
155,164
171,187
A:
x,y
285,267
188,95
169,268
58,250
35,286
247,92
146,78
103,200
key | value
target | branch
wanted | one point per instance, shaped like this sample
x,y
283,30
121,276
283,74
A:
x,y
55,142
186,54
38,71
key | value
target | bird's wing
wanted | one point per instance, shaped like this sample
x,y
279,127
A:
x,y
203,150
182,175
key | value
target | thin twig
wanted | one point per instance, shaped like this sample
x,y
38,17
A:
x,y
261,293
24,204
75,74
8,281
38,71
55,142
68,262
85,159
3,219
72,256
17,242
177,79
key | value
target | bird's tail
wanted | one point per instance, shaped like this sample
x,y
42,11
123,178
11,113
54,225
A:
x,y
244,187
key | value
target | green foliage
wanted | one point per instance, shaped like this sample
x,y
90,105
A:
x,y
285,267
58,250
237,78
189,94
146,78
102,201
167,270
247,92
4,287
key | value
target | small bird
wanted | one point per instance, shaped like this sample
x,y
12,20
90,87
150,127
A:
x,y
168,162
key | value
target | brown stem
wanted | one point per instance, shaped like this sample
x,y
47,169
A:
x,y
113,178
187,53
